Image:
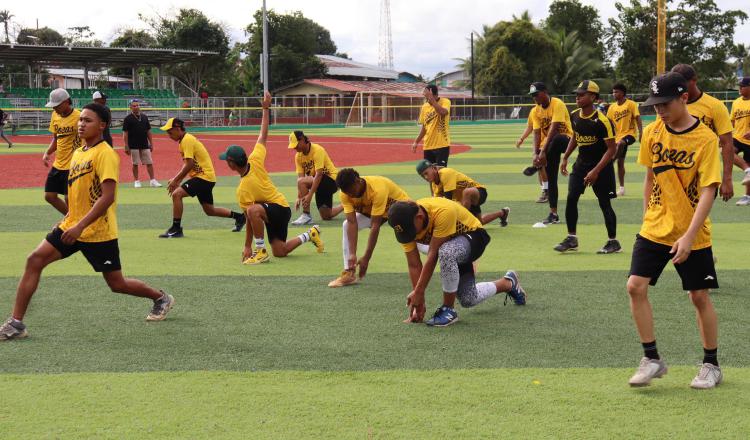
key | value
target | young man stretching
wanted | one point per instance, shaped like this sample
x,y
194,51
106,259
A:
x,y
681,157
625,116
316,175
740,117
90,226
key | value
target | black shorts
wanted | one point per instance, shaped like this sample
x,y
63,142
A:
x,y
57,181
477,209
739,147
325,192
201,188
697,272
278,216
604,187
104,256
628,140
438,156
478,240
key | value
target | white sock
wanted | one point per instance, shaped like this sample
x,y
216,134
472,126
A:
x,y
545,185
304,237
572,235
486,290
260,243
747,170
622,187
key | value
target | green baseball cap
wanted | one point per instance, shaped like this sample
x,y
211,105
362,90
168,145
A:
x,y
423,165
235,153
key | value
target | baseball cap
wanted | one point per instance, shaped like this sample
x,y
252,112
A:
x,y
423,165
666,87
294,138
537,87
401,218
99,95
57,97
745,82
172,123
587,86
235,153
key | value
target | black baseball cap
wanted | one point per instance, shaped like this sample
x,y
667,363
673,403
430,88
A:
x,y
401,218
745,82
537,87
666,87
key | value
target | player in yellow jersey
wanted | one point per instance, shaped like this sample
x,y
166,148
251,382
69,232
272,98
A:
x,y
457,186
740,117
64,128
198,167
262,203
90,226
365,201
551,136
626,117
434,117
456,239
316,175
714,114
682,173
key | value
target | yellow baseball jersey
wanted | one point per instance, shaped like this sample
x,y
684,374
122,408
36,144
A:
x,y
192,148
380,193
436,127
741,119
256,186
624,118
452,180
694,154
66,132
89,167
543,118
446,218
712,112
315,159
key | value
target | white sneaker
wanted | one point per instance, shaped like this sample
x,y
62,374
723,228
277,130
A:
x,y
647,370
304,219
743,201
708,377
621,191
746,179
155,183
137,184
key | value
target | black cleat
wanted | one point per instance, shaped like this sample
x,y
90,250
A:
x,y
569,244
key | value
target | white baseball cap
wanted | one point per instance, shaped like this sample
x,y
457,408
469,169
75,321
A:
x,y
57,97
99,95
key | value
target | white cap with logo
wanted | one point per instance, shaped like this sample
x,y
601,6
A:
x,y
99,95
57,97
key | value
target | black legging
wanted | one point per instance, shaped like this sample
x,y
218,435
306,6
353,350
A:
x,y
605,204
557,147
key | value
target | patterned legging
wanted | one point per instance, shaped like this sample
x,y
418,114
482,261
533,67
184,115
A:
x,y
457,275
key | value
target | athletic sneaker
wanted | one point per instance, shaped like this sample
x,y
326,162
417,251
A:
x,y
504,217
443,317
155,183
260,256
162,306
543,197
552,219
315,238
648,369
621,191
304,219
530,171
347,278
516,292
12,330
743,201
746,179
238,224
708,377
137,184
569,244
611,247
172,233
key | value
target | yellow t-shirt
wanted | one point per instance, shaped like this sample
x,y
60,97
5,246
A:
x,y
436,127
694,154
192,148
380,193
623,117
452,180
741,119
256,186
66,131
446,218
712,112
544,117
88,169
315,159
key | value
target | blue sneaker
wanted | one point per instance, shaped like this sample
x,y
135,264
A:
x,y
443,317
516,291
